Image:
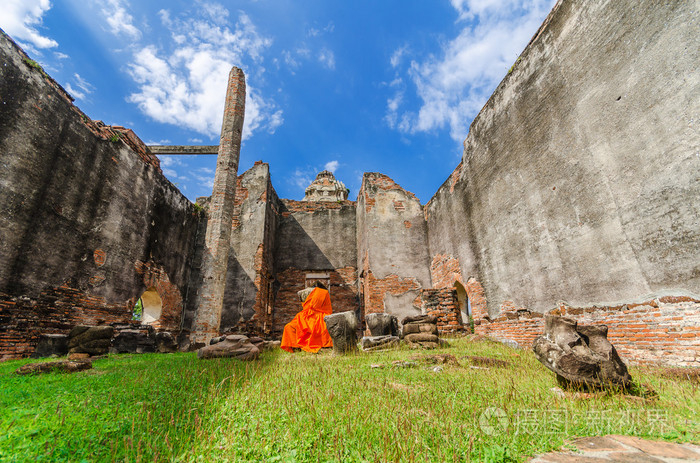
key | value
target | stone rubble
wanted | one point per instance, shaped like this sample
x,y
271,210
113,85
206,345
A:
x,y
581,356
232,346
342,327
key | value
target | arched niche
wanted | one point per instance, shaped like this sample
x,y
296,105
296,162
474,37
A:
x,y
465,308
152,306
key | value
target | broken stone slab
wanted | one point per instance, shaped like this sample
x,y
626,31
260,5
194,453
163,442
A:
x,y
413,328
133,341
60,366
581,356
342,327
423,345
421,337
257,341
382,324
419,319
270,345
304,293
93,340
165,342
51,345
232,346
373,343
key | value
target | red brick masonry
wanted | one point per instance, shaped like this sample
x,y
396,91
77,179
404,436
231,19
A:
x,y
661,331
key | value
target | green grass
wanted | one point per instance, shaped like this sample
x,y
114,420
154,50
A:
x,y
306,407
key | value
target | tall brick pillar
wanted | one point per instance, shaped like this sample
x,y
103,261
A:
x,y
211,294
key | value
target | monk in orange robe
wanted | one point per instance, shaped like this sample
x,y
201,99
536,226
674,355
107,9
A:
x,y
308,329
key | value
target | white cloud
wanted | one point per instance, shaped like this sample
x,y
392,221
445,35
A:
x,y
289,60
186,86
83,84
207,181
216,12
313,32
331,166
60,55
119,20
302,178
20,19
169,161
392,105
397,55
454,86
327,58
77,94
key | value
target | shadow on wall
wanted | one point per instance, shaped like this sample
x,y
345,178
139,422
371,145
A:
x,y
294,248
239,295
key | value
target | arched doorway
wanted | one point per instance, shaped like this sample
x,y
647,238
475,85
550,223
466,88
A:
x,y
151,306
465,307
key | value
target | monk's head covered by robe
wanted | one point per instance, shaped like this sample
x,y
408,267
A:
x,y
319,300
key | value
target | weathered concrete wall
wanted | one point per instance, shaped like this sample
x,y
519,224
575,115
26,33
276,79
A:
x,y
250,255
314,237
392,247
579,179
87,223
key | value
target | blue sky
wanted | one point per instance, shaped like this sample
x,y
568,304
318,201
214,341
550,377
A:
x,y
357,86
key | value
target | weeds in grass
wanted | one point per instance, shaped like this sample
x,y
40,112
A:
x,y
305,407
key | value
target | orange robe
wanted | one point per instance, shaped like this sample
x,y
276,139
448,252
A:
x,y
308,329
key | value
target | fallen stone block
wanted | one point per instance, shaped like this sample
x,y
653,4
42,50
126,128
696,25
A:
x,y
93,340
165,342
342,327
233,346
52,344
413,328
421,337
270,345
581,356
419,319
373,343
382,324
304,293
134,341
60,366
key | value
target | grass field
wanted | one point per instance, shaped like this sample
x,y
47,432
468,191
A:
x,y
305,407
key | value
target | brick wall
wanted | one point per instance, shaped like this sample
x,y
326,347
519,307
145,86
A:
x,y
442,304
374,289
292,206
83,204
58,310
445,272
154,276
660,331
54,311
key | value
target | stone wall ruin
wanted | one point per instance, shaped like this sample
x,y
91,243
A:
x,y
577,194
